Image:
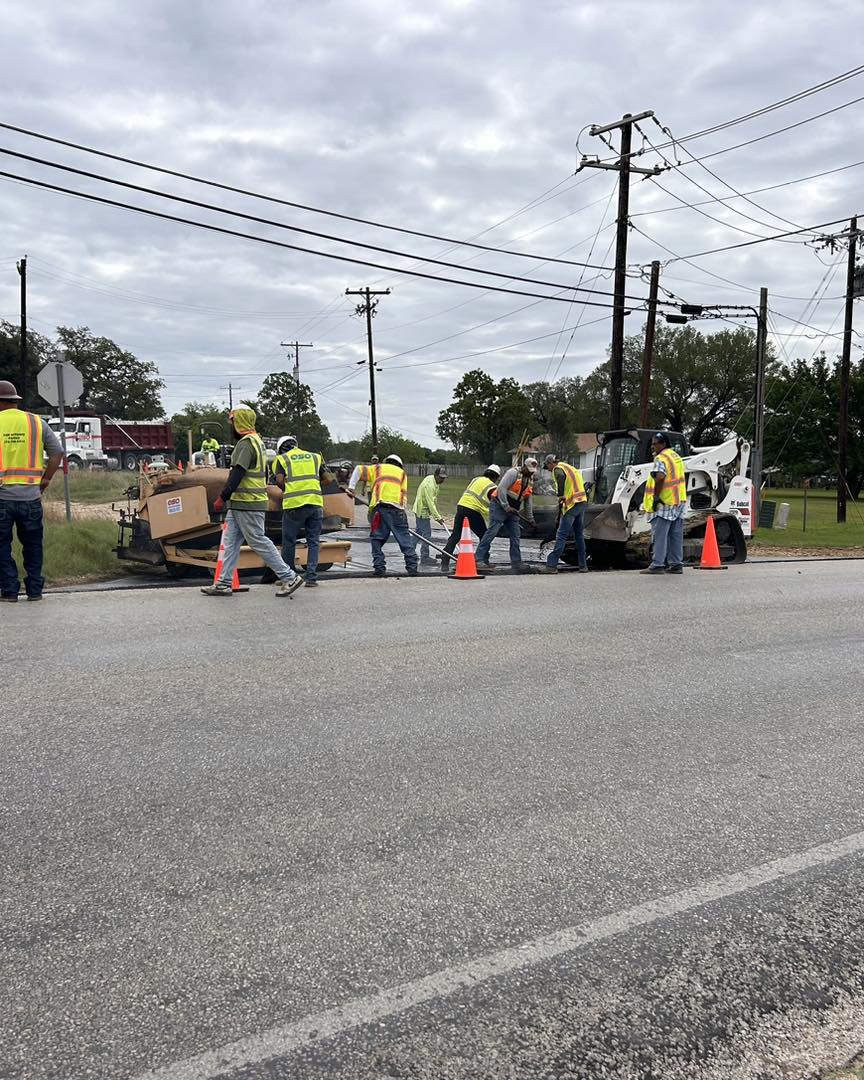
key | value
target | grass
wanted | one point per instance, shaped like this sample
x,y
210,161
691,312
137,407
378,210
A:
x,y
77,552
91,487
822,529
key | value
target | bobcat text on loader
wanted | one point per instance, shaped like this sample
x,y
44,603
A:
x,y
618,531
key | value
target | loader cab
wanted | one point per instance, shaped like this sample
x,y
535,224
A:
x,y
618,449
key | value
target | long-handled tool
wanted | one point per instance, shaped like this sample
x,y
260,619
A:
x,y
425,539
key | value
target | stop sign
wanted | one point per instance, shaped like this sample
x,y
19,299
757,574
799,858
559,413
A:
x,y
49,380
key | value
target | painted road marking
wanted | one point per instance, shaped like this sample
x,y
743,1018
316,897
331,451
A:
x,y
281,1041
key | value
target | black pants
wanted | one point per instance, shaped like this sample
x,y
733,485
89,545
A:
x,y
475,522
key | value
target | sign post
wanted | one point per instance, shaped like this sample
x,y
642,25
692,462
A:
x,y
61,384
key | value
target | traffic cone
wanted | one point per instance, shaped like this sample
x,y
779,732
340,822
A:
x,y
466,564
220,556
179,466
710,552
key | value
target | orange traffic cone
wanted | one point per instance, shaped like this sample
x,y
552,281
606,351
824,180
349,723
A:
x,y
466,564
179,466
235,581
710,552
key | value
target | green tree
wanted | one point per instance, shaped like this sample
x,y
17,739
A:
x,y
486,418
39,351
286,407
116,382
560,411
391,441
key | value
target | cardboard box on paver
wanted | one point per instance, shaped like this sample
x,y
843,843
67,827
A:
x,y
177,511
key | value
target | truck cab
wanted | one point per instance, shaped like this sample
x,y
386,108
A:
x,y
83,441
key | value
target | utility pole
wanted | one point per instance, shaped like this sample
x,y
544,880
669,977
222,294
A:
x,y
296,346
648,356
22,378
230,388
367,308
624,168
756,450
845,359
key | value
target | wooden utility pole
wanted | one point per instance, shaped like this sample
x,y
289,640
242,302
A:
x,y
756,451
296,346
367,308
22,378
648,355
230,388
623,167
845,360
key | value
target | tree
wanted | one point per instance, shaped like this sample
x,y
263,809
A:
x,y
559,410
116,382
286,407
39,351
486,418
393,442
202,419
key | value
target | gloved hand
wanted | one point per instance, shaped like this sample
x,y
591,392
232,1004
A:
x,y
442,523
219,504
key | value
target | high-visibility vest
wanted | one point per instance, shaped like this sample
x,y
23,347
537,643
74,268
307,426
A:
x,y
21,450
574,486
520,491
302,485
674,490
389,484
208,445
251,492
477,495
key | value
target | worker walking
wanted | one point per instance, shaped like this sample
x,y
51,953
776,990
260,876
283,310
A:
x,y
570,488
387,502
665,500
473,507
514,492
425,509
246,497
25,439
300,473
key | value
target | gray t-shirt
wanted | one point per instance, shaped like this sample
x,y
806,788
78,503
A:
x,y
28,492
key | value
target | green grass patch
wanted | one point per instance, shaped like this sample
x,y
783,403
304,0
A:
x,y
822,530
99,486
82,551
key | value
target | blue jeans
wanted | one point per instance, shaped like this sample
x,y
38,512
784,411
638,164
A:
x,y
668,542
248,526
309,519
424,527
26,517
573,521
385,520
500,520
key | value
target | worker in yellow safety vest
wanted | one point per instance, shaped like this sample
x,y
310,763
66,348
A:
x,y
570,488
665,501
473,507
209,445
246,497
24,475
300,473
388,498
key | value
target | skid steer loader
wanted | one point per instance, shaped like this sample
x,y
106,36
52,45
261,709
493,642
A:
x,y
618,531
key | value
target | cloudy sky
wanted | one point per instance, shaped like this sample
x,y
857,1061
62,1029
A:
x,y
458,118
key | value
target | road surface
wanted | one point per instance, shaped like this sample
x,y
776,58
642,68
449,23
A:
x,y
599,825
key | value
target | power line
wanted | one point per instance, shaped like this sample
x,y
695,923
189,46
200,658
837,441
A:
x,y
292,247
286,202
750,243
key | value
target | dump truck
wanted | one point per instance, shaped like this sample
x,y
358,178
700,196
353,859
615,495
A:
x,y
169,520
618,531
97,440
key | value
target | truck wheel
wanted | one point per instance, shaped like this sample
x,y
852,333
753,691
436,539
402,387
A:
x,y
130,463
74,463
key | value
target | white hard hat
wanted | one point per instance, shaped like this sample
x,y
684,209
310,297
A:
x,y
394,459
493,469
287,441
531,464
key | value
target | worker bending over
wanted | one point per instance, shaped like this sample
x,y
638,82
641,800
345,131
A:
x,y
665,500
300,473
570,488
388,499
246,496
514,492
473,507
425,508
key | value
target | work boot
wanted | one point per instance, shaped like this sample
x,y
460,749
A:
x,y
311,585
581,569
219,589
8,599
679,569
412,571
35,596
288,588
379,573
428,562
548,569
653,570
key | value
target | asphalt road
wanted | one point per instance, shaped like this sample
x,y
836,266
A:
x,y
585,826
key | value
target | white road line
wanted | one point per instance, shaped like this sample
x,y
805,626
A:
x,y
280,1041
